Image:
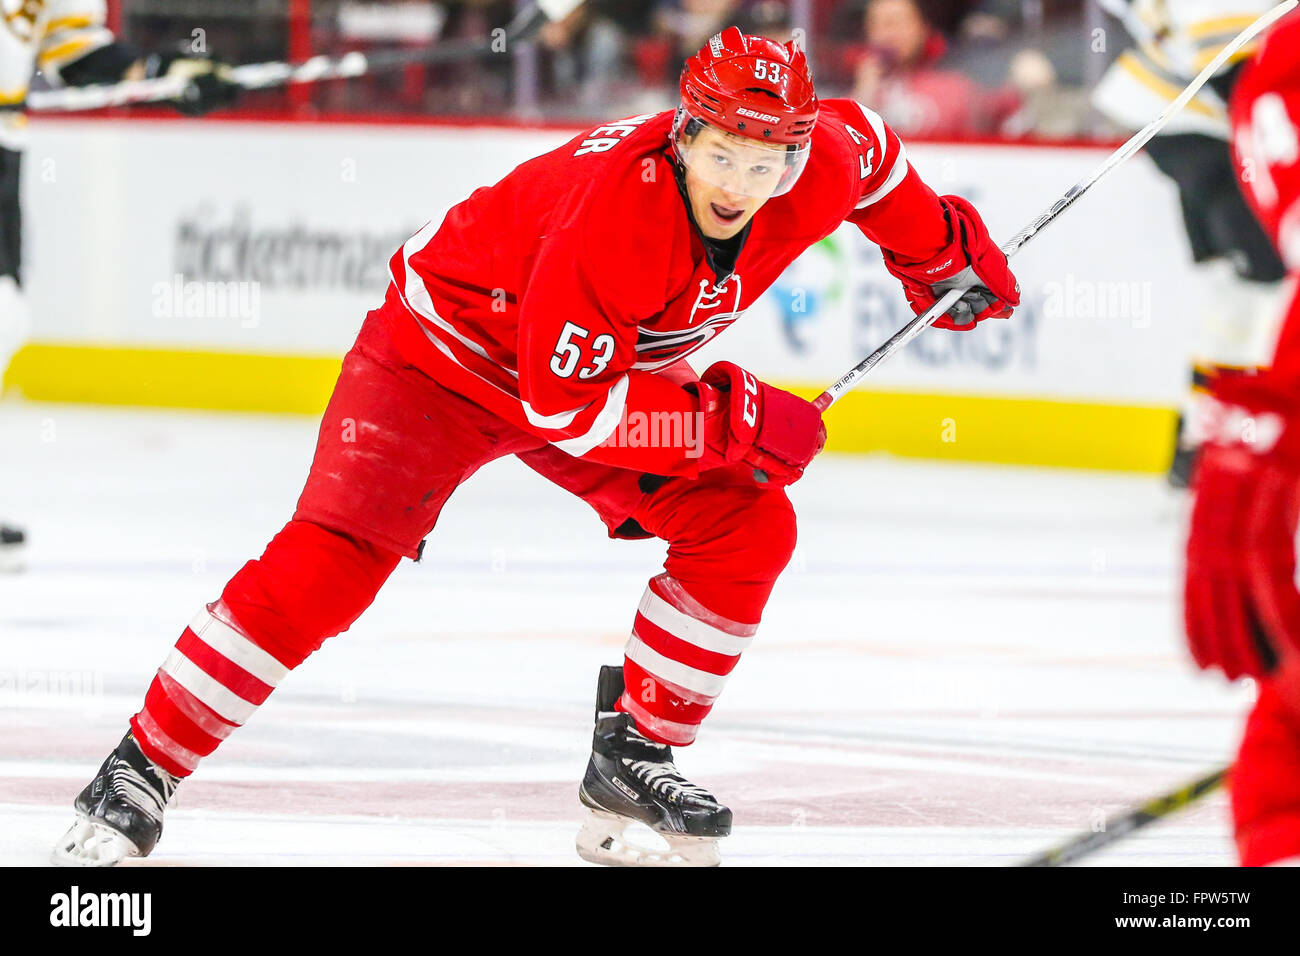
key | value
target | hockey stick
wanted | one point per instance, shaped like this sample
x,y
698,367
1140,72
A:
x,y
914,328
257,76
1162,806
1151,811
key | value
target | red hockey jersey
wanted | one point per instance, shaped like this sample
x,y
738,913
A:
x,y
1265,112
556,297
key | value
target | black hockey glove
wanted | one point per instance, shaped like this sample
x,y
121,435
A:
x,y
206,90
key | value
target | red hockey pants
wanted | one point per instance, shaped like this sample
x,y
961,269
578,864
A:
x,y
393,446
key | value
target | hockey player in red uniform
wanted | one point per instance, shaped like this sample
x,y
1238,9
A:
x,y
547,317
1242,607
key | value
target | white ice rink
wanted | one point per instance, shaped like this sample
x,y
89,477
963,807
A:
x,y
962,666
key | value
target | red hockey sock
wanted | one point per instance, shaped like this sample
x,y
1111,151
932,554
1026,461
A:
x,y
310,584
211,682
677,661
729,540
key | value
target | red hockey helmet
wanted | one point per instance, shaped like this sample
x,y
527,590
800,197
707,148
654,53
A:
x,y
760,93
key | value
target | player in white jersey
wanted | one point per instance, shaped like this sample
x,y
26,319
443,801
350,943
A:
x,y
68,42
1175,39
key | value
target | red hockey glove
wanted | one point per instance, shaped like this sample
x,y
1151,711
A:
x,y
772,431
1240,603
971,258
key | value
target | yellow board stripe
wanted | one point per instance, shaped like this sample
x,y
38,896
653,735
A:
x,y
1018,431
114,375
957,427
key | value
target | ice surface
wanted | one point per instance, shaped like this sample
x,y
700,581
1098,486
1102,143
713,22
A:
x,y
963,665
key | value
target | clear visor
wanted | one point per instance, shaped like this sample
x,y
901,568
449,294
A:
x,y
737,164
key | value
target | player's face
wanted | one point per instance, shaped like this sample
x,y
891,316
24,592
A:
x,y
728,180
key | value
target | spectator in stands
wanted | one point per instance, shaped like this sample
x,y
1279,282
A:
x,y
899,73
674,26
991,20
690,23
586,69
1048,109
767,18
584,52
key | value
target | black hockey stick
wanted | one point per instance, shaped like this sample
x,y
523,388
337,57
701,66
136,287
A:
x,y
1080,846
257,76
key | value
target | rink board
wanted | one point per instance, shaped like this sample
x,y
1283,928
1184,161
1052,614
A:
x,y
913,424
228,265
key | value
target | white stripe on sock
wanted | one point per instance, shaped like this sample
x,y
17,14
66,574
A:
x,y
681,625
232,645
207,689
674,672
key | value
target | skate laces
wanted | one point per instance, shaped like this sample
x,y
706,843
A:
x,y
663,778
660,775
149,792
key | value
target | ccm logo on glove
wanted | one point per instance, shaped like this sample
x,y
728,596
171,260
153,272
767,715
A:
x,y
775,433
749,412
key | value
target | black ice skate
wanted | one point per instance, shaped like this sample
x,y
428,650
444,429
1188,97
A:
x,y
12,545
632,780
120,813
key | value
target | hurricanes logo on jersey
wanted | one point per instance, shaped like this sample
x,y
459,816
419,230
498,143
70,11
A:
x,y
712,299
716,307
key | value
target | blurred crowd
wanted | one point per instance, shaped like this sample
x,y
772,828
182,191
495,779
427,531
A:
x,y
932,68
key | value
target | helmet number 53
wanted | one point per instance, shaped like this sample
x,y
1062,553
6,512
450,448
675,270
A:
x,y
767,70
568,353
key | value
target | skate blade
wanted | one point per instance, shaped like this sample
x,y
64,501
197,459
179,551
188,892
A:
x,y
605,839
88,843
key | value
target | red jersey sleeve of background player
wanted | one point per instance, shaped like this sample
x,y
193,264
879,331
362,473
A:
x,y
884,196
1266,137
595,278
1265,114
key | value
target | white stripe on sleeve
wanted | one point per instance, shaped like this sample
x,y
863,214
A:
x,y
896,176
607,419
898,163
